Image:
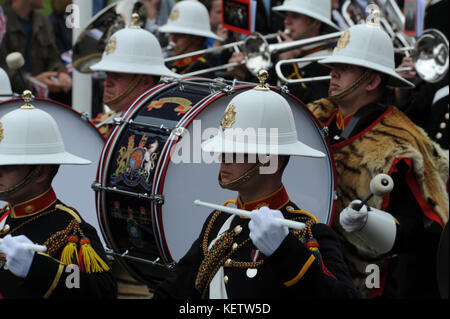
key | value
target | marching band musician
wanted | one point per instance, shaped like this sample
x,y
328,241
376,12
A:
x,y
31,151
133,63
398,233
189,27
427,104
304,19
259,258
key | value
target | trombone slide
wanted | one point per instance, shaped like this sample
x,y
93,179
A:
x,y
291,81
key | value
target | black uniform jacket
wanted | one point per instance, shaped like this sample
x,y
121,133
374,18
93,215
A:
x,y
39,219
292,271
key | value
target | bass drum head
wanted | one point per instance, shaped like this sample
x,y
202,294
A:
x,y
152,169
72,184
188,174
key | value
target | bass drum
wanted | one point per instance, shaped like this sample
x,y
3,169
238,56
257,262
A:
x,y
152,169
72,184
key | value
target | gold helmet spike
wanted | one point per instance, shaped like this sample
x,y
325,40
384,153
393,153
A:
x,y
27,96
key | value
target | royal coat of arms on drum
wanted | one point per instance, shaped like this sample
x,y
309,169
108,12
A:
x,y
135,164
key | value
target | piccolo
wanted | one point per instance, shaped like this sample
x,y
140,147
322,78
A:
x,y
244,213
32,247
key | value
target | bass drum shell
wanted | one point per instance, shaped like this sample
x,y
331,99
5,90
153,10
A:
x,y
178,171
72,184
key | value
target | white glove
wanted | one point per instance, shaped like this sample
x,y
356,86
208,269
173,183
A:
x,y
266,232
18,258
352,220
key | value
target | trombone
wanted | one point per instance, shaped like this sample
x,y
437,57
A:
x,y
258,51
430,56
233,45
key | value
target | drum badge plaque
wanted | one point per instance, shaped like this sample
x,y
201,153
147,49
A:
x,y
135,164
228,117
182,105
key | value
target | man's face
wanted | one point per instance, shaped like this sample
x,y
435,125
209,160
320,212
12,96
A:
x,y
215,15
183,42
115,85
11,175
297,23
342,76
234,166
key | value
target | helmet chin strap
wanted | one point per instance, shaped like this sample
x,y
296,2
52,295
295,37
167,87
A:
x,y
242,179
130,88
336,97
25,181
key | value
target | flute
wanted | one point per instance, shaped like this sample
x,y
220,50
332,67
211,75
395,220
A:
x,y
244,213
32,247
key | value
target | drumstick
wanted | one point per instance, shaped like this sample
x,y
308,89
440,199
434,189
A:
x,y
244,213
32,247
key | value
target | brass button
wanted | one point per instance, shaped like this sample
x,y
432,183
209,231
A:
x,y
235,246
225,279
237,229
29,209
228,262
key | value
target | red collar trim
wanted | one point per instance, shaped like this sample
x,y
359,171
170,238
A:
x,y
187,61
341,121
276,200
351,139
35,205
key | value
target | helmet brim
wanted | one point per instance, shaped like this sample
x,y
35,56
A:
x,y
395,80
219,145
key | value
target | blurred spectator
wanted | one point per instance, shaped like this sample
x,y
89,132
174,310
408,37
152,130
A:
x,y
157,14
2,24
63,35
30,33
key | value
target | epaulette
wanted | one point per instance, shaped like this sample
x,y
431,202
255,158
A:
x,y
76,247
69,211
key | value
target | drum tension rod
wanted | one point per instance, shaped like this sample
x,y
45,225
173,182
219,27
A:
x,y
156,262
160,128
159,199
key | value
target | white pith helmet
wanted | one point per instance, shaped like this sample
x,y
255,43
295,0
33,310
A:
x,y
133,50
259,121
189,17
316,9
29,136
368,46
5,86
